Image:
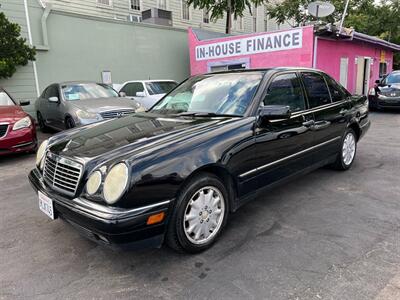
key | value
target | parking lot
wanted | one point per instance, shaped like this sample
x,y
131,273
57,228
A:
x,y
327,235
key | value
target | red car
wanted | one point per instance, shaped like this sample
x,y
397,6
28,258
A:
x,y
17,128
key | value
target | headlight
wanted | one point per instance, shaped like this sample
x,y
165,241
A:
x,y
41,151
372,92
115,183
93,183
82,114
23,123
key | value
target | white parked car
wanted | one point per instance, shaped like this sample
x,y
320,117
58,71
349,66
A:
x,y
147,92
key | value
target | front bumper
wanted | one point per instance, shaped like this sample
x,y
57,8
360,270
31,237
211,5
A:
x,y
388,102
110,226
22,140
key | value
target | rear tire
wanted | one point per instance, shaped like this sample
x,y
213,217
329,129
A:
x,y
42,124
69,123
200,214
347,152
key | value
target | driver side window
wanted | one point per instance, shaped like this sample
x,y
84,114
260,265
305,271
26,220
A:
x,y
285,89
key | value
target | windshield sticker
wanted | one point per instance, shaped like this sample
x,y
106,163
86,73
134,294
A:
x,y
72,96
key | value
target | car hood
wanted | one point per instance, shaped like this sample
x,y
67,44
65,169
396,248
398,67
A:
x,y
105,104
11,114
137,133
390,90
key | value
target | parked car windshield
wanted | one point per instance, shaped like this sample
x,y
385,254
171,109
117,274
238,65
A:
x,y
5,100
392,78
160,87
81,91
223,94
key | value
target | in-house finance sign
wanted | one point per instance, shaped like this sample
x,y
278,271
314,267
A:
x,y
267,42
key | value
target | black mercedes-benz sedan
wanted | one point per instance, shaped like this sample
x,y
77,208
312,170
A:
x,y
176,172
386,93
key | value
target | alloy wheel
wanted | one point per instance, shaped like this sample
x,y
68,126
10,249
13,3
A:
x,y
349,148
204,215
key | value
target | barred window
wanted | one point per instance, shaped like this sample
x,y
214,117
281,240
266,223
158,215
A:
x,y
185,10
135,4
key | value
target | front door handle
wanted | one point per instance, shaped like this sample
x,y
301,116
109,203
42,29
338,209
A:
x,y
343,111
308,123
321,125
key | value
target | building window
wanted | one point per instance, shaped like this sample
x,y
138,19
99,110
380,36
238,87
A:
x,y
162,4
382,69
104,2
185,10
135,4
238,23
206,16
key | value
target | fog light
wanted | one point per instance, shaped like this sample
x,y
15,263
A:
x,y
157,218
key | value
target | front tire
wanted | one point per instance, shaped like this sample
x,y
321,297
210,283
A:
x,y
42,124
348,151
200,214
69,123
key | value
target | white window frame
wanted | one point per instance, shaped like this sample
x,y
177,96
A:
x,y
166,4
189,13
140,6
238,24
109,5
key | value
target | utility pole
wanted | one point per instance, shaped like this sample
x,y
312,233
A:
x,y
343,16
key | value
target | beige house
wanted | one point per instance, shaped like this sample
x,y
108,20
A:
x,y
182,15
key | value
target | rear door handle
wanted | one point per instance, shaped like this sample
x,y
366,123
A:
x,y
343,111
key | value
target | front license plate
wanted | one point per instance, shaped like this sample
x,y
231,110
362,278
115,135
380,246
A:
x,y
46,205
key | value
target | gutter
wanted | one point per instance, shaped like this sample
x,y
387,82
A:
x,y
45,46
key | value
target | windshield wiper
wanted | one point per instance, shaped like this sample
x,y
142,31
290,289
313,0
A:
x,y
205,114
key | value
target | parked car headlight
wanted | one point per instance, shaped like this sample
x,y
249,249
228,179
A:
x,y
115,183
41,151
82,114
93,183
23,123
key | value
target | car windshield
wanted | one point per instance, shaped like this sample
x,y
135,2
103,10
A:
x,y
5,100
222,94
160,87
81,91
393,78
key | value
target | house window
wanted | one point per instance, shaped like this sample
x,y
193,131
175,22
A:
x,y
206,16
162,4
135,4
185,10
382,69
104,2
238,23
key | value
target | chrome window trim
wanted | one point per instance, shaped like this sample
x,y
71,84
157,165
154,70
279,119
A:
x,y
287,157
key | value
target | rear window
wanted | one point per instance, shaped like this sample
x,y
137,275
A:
x,y
316,88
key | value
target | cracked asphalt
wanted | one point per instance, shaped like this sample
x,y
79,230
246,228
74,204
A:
x,y
327,235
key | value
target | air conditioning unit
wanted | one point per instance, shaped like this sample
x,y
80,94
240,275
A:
x,y
157,16
134,18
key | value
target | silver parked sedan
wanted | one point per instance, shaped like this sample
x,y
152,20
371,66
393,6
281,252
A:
x,y
69,104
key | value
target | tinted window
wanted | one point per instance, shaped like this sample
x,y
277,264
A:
x,y
160,87
316,88
392,78
337,92
52,91
285,89
130,89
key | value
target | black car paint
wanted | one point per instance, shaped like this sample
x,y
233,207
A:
x,y
163,152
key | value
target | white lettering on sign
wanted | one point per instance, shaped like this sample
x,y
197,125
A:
x,y
268,42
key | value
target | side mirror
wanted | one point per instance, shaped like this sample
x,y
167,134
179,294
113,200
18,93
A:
x,y
122,94
140,94
274,112
24,102
53,99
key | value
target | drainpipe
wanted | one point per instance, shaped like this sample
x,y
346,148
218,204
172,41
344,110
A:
x,y
45,15
315,52
28,26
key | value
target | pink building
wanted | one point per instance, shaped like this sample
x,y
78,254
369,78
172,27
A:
x,y
355,60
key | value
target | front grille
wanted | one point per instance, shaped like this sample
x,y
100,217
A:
x,y
62,174
116,113
3,130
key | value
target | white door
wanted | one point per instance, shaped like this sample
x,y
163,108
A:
x,y
344,71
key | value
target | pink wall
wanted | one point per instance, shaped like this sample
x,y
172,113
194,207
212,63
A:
x,y
300,57
330,52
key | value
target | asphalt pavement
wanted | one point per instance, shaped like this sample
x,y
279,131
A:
x,y
326,235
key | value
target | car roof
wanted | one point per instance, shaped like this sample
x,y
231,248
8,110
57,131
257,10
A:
x,y
266,70
150,80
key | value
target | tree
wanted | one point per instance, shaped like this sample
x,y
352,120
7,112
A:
x,y
13,48
228,7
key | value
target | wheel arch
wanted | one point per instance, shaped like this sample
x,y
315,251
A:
x,y
224,175
356,127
